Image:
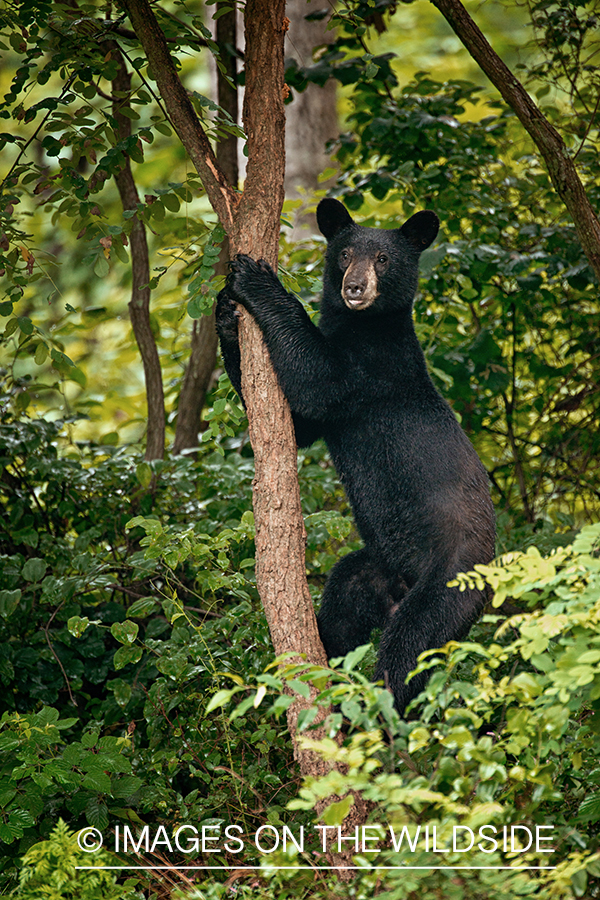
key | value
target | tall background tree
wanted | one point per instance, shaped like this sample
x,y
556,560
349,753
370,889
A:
x,y
312,116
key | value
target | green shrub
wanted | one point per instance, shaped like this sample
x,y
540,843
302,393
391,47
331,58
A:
x,y
50,872
505,735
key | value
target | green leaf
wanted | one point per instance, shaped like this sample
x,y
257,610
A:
x,y
579,883
221,698
21,817
9,600
7,792
128,112
89,739
142,608
352,659
589,809
173,667
124,632
10,832
337,812
126,786
157,210
300,687
11,327
96,814
34,569
26,325
77,625
97,781
61,361
41,353
8,742
122,691
101,266
195,307
126,656
171,201
144,474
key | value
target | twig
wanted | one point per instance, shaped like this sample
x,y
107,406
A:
x,y
55,655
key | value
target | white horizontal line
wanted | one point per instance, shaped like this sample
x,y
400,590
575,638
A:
x,y
315,868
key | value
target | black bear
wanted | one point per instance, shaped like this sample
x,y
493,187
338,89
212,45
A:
x,y
418,490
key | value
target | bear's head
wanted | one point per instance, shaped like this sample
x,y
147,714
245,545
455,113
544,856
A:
x,y
372,269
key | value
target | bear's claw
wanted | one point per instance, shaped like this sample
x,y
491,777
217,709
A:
x,y
246,275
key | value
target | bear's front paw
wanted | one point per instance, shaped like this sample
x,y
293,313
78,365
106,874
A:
x,y
249,280
246,267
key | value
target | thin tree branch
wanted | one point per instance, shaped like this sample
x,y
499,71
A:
x,y
139,305
181,112
550,144
31,139
46,629
203,351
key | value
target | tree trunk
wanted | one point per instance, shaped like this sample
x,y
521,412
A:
x,y
252,223
280,534
561,167
203,350
198,372
312,114
227,96
139,305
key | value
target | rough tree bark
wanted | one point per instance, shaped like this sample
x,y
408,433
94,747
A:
x,y
560,165
139,305
251,220
203,350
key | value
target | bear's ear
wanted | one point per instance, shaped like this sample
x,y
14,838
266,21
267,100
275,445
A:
x,y
421,229
332,217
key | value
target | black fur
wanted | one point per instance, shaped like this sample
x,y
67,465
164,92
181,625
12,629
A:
x,y
418,491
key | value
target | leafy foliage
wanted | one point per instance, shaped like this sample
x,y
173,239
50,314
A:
x,y
49,870
127,601
58,202
505,735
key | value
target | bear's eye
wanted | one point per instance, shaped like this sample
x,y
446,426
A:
x,y
382,258
344,257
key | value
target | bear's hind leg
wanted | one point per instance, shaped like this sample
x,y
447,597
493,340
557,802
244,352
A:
x,y
358,597
430,615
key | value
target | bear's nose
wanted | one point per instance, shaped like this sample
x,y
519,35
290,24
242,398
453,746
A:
x,y
354,289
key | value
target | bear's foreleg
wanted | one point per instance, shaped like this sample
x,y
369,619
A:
x,y
227,317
